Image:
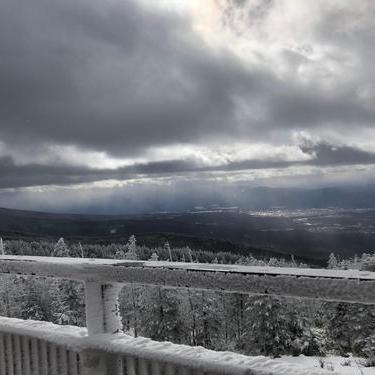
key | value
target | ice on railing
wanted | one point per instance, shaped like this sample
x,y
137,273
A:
x,y
197,358
179,356
102,278
334,285
54,333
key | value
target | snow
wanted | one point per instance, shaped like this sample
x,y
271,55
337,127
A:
x,y
53,333
341,365
196,358
331,285
77,264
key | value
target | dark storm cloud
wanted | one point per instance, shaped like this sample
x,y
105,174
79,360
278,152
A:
x,y
327,154
322,154
109,77
13,176
120,77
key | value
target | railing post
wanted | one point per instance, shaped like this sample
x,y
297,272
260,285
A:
x,y
102,316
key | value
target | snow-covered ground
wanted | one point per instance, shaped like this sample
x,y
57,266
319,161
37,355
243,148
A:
x,y
340,365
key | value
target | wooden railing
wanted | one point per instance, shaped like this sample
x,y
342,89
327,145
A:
x,y
29,347
24,352
33,348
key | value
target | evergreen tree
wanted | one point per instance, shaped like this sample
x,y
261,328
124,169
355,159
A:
x,y
9,288
368,263
34,300
332,261
209,320
2,249
120,252
189,254
273,262
60,249
349,326
163,316
68,303
154,257
134,301
268,328
131,246
236,306
369,351
129,251
81,251
168,249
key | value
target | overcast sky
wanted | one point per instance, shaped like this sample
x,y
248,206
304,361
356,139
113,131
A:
x,y
97,94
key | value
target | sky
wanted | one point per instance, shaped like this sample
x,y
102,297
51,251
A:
x,y
114,97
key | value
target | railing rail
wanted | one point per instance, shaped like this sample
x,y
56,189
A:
x,y
104,350
37,348
324,284
31,347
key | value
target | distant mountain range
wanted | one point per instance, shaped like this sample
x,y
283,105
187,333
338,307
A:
x,y
181,197
310,235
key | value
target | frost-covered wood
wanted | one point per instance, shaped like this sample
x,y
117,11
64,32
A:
x,y
102,312
101,350
157,357
102,316
335,285
29,355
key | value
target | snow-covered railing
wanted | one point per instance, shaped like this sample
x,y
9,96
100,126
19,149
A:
x,y
29,347
324,284
42,348
104,350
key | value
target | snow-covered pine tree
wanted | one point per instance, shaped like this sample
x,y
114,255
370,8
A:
x,y
33,299
60,249
349,326
168,249
369,351
154,257
2,249
332,261
368,263
209,320
134,303
190,254
202,315
293,260
273,262
163,317
268,330
129,251
355,261
81,251
68,302
131,246
120,252
236,307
